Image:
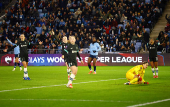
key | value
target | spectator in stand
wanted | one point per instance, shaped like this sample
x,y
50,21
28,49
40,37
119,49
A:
x,y
107,29
132,48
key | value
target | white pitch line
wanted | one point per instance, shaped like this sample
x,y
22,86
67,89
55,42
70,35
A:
x,y
65,100
57,85
148,103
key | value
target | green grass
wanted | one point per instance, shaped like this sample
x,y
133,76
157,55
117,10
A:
x,y
113,93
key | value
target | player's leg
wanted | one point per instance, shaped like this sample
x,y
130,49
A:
x,y
17,61
68,70
25,64
15,64
156,68
72,76
94,65
133,79
89,64
25,70
152,68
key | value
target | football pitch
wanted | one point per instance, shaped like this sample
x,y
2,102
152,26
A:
x,y
47,88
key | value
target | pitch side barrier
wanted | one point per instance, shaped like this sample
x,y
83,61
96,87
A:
x,y
117,59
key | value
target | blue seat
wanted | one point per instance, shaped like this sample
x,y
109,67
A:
x,y
120,25
71,10
137,46
41,15
40,10
147,30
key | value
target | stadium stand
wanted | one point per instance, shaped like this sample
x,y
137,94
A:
x,y
118,25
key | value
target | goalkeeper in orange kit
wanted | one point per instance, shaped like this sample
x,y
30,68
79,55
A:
x,y
136,74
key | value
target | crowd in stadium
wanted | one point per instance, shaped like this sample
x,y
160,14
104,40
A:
x,y
118,25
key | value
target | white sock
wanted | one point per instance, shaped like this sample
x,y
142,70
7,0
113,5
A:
x,y
68,72
153,71
14,68
72,76
156,71
25,72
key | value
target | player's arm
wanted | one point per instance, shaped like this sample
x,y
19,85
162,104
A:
x,y
78,55
62,50
137,74
98,47
10,41
10,49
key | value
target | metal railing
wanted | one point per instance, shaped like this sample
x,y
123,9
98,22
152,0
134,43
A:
x,y
58,51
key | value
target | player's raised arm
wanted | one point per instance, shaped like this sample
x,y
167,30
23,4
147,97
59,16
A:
x,y
10,41
10,49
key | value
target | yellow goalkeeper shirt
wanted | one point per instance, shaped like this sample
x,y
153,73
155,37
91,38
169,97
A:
x,y
138,70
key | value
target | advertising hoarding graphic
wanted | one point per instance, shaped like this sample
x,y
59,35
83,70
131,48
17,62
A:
x,y
121,59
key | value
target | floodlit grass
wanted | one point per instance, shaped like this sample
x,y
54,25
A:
x,y
105,89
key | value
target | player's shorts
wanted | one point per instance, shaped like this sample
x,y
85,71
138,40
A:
x,y
65,60
73,63
24,58
93,56
16,55
130,76
154,59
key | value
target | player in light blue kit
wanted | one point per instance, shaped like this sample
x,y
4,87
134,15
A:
x,y
94,49
16,52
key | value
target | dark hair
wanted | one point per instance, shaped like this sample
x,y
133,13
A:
x,y
144,62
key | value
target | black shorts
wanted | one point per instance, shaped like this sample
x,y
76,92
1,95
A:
x,y
72,63
65,60
154,59
16,55
24,58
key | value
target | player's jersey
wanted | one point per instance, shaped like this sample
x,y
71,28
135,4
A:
x,y
136,70
72,52
23,45
141,73
153,50
64,46
16,49
94,48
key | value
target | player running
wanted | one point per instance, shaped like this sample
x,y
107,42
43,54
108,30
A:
x,y
136,74
16,52
72,52
153,57
23,53
64,55
94,48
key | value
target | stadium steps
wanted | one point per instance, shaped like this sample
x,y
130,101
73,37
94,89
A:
x,y
160,25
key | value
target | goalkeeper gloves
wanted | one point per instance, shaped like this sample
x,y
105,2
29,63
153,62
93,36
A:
x,y
140,79
146,82
94,51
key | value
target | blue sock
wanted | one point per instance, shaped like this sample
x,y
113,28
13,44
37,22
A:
x,y
15,65
94,68
19,64
89,67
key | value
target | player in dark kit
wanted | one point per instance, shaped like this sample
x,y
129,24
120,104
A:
x,y
153,57
23,54
72,52
64,55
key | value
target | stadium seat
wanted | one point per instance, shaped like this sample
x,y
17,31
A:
x,y
120,25
147,30
137,46
41,15
40,10
71,10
